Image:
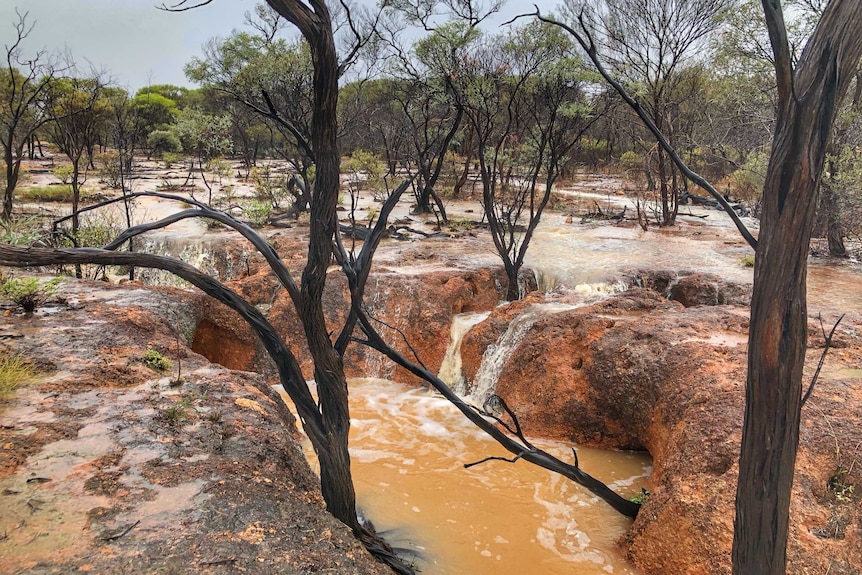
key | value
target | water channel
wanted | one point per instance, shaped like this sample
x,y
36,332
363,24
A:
x,y
408,450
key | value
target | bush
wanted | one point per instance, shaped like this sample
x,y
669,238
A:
x,y
155,360
109,168
61,193
21,231
255,212
161,141
14,371
63,173
270,187
29,293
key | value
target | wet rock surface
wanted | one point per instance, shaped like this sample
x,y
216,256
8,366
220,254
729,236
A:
x,y
640,372
108,466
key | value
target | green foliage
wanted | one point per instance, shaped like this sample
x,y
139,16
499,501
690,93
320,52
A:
x,y
367,172
29,293
838,485
641,497
109,168
63,173
156,361
747,261
204,135
171,158
21,231
746,183
256,212
270,187
631,161
460,224
14,372
162,142
58,193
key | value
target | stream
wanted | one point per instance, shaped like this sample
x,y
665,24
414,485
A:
x,y
408,450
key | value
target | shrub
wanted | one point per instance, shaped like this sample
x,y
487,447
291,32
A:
x,y
161,141
109,168
255,212
63,173
156,361
171,158
21,231
29,293
270,187
14,371
60,193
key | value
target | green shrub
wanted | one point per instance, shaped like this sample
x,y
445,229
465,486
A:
x,y
747,261
29,293
60,193
109,168
63,173
21,231
171,158
161,141
156,361
14,371
255,212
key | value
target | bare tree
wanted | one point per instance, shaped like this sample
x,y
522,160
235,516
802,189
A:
x,y
23,88
648,43
525,103
76,109
809,94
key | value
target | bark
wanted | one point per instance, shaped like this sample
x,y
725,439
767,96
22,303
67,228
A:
x,y
808,99
12,171
314,23
832,215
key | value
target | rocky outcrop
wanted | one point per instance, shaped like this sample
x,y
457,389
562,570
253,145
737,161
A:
x,y
640,372
414,311
109,466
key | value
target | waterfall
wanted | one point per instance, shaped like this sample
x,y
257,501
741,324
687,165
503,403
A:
x,y
450,368
497,353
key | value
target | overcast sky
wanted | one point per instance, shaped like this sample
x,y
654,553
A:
x,y
131,39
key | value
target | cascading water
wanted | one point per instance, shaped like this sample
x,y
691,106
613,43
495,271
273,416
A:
x,y
408,448
497,353
450,369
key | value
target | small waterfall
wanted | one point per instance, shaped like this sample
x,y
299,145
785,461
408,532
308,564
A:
x,y
450,368
497,353
549,279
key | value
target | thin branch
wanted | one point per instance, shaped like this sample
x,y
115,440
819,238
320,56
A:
x,y
181,6
492,458
826,346
586,42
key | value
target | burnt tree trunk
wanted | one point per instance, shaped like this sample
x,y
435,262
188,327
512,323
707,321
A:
x,y
336,481
808,99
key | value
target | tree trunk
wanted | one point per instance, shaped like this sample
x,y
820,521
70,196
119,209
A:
x,y
335,476
832,216
808,99
11,182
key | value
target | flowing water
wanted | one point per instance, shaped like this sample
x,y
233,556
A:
x,y
408,450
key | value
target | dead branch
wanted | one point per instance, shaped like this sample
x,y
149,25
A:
x,y
826,346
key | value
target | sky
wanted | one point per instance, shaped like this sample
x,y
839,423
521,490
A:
x,y
133,41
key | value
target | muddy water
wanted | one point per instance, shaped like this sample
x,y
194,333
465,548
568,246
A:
x,y
593,258
408,450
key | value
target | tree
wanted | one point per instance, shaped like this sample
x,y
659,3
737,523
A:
x,y
205,136
809,94
270,76
76,109
23,88
649,42
524,100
